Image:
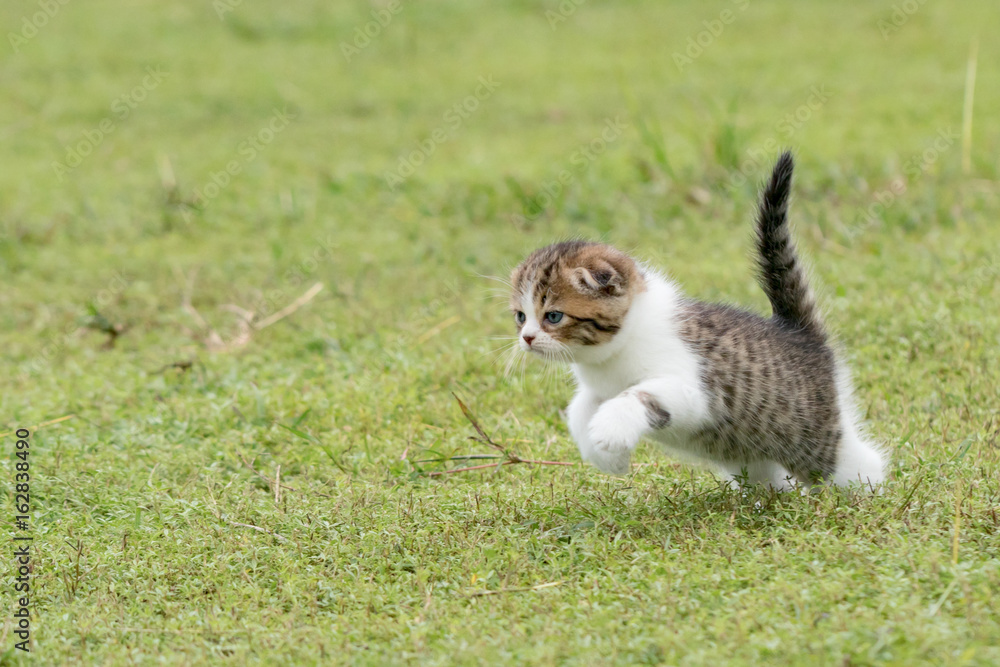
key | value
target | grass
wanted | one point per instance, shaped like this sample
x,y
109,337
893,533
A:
x,y
143,502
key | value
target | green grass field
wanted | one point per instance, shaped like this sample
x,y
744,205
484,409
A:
x,y
172,167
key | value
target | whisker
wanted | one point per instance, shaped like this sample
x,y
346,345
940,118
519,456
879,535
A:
x,y
498,294
499,353
512,359
498,349
502,281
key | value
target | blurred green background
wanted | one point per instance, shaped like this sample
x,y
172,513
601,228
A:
x,y
235,154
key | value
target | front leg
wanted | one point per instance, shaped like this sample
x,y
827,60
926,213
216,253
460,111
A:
x,y
652,405
578,416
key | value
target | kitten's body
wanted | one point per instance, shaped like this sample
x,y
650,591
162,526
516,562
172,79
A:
x,y
762,399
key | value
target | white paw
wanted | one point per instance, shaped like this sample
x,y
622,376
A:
x,y
617,425
611,463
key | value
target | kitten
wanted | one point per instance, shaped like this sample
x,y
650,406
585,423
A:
x,y
765,400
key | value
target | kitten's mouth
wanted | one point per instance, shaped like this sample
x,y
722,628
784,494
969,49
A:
x,y
546,355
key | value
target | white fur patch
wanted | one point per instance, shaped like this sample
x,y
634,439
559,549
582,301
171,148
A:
x,y
859,461
618,424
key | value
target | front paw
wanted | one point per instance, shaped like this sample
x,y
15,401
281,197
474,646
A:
x,y
611,463
616,428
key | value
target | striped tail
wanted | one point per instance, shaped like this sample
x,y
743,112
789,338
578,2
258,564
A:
x,y
780,274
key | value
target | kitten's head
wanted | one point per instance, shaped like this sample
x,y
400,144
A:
x,y
572,296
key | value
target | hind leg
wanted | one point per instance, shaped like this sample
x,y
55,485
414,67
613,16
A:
x,y
766,473
859,462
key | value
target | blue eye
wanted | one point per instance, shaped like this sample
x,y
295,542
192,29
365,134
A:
x,y
553,317
519,316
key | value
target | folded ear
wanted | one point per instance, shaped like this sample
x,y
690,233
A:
x,y
598,277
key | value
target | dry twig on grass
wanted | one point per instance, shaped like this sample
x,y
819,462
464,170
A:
x,y
96,321
217,513
182,366
509,458
247,325
38,426
526,589
258,529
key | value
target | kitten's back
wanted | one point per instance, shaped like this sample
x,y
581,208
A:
x,y
771,388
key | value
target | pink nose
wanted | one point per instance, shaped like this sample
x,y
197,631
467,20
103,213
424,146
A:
x,y
528,339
